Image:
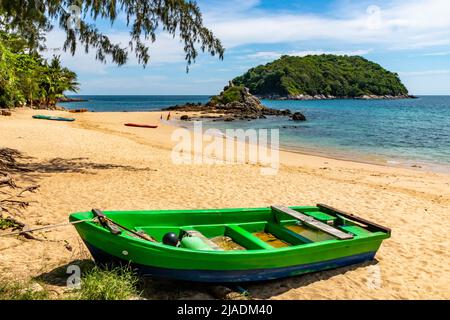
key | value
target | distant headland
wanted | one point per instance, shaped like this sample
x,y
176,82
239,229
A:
x,y
318,77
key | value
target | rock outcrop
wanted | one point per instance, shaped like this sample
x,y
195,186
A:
x,y
298,116
67,99
234,102
331,97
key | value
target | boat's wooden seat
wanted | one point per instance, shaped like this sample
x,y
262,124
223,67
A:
x,y
313,223
246,239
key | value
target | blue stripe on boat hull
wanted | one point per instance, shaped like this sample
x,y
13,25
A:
x,y
220,276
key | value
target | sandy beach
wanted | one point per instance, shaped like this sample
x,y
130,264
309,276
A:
x,y
98,162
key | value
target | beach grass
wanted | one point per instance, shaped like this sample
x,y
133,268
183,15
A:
x,y
96,284
16,290
6,223
107,284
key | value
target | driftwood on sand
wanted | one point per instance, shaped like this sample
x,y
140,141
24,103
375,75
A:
x,y
12,199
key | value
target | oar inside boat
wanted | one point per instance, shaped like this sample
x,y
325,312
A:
x,y
114,226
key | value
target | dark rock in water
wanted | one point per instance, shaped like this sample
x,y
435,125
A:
x,y
67,99
298,116
226,119
184,117
234,102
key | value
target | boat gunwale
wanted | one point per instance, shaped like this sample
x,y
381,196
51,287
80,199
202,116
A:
x,y
373,236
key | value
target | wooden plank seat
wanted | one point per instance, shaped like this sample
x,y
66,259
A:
x,y
313,223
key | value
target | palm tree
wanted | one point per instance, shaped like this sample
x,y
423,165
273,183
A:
x,y
56,80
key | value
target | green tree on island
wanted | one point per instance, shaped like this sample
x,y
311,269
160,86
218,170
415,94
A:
x,y
329,75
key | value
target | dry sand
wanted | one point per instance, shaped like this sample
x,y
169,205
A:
x,y
97,162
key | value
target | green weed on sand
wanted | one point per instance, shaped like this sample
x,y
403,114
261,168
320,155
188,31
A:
x,y
105,284
14,290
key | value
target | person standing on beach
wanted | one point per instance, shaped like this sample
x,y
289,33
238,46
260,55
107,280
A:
x,y
168,116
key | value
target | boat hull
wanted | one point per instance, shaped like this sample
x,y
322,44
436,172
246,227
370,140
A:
x,y
228,276
53,118
138,125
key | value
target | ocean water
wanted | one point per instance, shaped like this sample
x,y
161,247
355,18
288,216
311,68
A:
x,y
131,103
399,132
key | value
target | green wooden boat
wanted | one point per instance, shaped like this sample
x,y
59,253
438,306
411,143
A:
x,y
42,117
230,245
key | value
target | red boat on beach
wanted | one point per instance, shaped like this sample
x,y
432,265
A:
x,y
141,125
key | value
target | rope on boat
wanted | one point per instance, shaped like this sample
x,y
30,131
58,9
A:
x,y
51,226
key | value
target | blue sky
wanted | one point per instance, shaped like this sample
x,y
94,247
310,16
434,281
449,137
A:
x,y
409,37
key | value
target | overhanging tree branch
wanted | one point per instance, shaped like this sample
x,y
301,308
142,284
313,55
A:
x,y
179,18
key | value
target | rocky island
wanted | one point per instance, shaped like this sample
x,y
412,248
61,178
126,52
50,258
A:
x,y
314,77
65,98
317,77
235,102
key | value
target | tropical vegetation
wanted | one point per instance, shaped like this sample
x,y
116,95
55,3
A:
x,y
329,75
228,95
26,78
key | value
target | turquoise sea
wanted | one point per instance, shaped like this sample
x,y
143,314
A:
x,y
399,132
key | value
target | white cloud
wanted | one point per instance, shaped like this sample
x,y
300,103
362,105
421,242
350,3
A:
x,y
165,49
275,55
400,24
220,9
264,55
437,54
424,73
81,62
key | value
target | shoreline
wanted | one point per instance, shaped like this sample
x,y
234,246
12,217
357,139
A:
x,y
316,152
306,97
347,157
405,164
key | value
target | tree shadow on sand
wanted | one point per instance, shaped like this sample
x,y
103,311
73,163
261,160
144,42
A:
x,y
77,165
26,168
